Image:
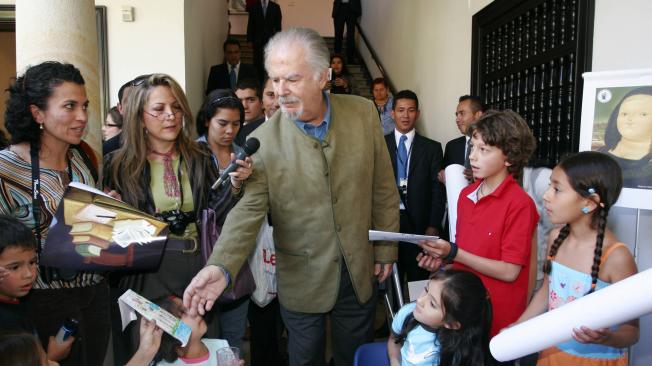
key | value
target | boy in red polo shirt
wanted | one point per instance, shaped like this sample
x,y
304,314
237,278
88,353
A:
x,y
495,217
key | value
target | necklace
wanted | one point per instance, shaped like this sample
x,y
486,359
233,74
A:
x,y
170,181
481,191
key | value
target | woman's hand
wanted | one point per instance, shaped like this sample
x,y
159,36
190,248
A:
x,y
341,82
246,167
113,194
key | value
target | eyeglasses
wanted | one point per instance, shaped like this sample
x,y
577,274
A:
x,y
164,115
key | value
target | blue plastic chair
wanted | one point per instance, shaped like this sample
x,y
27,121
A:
x,y
371,354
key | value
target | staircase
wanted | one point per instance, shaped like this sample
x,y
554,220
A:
x,y
360,76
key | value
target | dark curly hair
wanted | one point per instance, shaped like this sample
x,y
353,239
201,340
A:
x,y
220,98
509,132
35,87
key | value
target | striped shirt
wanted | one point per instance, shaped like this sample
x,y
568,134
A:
x,y
16,201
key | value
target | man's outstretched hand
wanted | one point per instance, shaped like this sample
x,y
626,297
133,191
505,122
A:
x,y
204,289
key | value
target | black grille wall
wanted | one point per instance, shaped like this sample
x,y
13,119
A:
x,y
529,56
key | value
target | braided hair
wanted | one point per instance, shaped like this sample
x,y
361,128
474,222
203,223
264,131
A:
x,y
598,177
465,300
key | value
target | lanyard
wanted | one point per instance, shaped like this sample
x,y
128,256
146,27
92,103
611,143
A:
x,y
36,191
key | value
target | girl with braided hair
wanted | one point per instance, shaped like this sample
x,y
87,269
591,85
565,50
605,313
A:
x,y
584,257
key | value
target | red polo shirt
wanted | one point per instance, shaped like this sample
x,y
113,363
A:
x,y
500,227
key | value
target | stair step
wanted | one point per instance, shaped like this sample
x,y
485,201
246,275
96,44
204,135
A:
x,y
359,79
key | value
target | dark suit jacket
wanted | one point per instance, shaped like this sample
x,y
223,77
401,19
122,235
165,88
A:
x,y
425,195
111,144
261,28
245,130
454,153
218,77
354,8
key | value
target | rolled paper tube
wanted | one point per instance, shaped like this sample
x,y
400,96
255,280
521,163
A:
x,y
620,302
455,182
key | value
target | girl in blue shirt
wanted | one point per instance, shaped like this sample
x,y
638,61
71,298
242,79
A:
x,y
448,324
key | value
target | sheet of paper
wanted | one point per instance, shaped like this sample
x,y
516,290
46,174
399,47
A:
x,y
375,235
455,182
131,302
613,305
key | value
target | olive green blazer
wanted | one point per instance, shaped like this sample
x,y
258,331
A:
x,y
323,198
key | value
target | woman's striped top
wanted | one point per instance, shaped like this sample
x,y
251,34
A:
x,y
16,201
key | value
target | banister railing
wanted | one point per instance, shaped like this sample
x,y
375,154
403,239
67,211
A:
x,y
376,60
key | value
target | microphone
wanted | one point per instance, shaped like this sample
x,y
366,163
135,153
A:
x,y
250,147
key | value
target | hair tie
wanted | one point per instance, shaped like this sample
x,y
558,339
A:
x,y
593,286
550,258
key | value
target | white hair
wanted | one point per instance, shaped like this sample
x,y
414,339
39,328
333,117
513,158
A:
x,y
317,54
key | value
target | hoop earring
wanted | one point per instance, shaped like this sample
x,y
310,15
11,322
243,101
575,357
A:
x,y
585,210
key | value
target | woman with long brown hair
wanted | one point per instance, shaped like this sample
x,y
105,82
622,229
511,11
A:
x,y
161,170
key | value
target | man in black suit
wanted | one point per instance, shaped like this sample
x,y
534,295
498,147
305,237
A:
x,y
345,12
416,161
469,109
264,21
227,74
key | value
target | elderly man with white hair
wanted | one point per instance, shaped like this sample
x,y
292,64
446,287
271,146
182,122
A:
x,y
326,182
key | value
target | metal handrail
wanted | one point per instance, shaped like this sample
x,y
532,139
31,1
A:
x,y
375,58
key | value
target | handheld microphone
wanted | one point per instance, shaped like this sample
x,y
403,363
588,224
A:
x,y
250,147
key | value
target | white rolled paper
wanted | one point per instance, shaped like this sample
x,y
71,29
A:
x,y
625,300
455,182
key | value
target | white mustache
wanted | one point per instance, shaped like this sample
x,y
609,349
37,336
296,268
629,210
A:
x,y
288,99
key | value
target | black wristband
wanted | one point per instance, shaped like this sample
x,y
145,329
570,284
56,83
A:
x,y
452,254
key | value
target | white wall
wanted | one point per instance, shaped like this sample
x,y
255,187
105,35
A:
x,y
315,14
176,37
154,42
205,30
621,41
437,36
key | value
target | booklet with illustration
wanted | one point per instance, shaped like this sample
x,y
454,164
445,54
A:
x,y
131,302
93,231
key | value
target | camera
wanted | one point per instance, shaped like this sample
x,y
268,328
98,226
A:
x,y
177,220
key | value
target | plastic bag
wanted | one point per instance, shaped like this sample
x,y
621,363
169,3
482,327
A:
x,y
263,266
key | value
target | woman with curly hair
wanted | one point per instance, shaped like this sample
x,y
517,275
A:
x,y
46,116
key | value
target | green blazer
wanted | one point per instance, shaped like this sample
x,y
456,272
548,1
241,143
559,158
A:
x,y
323,198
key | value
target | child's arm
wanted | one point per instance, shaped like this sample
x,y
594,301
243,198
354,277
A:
x,y
532,280
497,269
619,265
59,351
539,303
150,340
393,351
